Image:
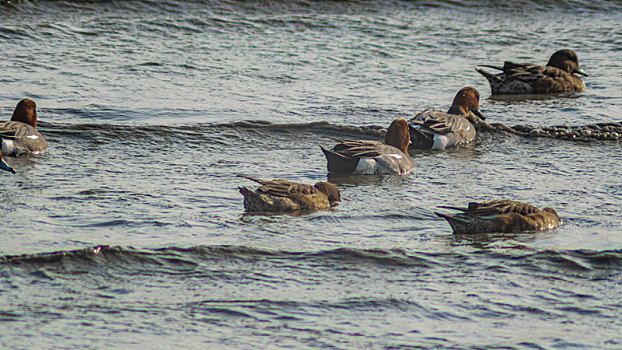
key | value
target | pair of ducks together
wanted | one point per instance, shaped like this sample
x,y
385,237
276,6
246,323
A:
x,y
432,130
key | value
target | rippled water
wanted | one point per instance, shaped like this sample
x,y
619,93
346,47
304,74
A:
x,y
129,231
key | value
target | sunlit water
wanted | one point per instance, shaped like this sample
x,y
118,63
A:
x,y
151,109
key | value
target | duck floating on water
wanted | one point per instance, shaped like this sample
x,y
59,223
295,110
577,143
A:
x,y
558,76
21,135
500,216
368,157
436,130
287,196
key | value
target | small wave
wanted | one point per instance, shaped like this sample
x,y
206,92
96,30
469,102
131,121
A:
x,y
350,304
126,256
304,5
211,134
111,256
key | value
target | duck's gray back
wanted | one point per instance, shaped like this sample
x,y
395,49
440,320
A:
x,y
23,138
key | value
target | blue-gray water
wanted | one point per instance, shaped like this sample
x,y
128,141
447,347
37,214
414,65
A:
x,y
129,231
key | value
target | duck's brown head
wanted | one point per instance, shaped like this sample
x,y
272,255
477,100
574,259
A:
x,y
566,60
466,100
397,135
26,112
331,191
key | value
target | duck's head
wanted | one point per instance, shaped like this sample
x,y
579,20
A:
x,y
26,112
466,100
3,164
566,60
331,191
551,210
397,135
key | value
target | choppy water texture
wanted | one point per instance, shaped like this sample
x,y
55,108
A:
x,y
129,231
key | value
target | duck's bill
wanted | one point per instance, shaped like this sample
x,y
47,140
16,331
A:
x,y
5,166
479,114
582,72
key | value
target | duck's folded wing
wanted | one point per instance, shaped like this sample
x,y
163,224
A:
x,y
17,129
283,188
531,72
7,131
28,138
9,134
500,207
361,148
440,122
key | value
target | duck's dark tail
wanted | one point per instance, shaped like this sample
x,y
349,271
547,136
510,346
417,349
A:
x,y
458,225
259,181
420,139
338,163
489,76
490,66
253,201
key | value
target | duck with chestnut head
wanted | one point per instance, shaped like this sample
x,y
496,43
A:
x,y
369,157
19,135
437,130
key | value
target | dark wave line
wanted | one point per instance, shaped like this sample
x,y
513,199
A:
x,y
576,260
348,303
507,5
227,132
219,133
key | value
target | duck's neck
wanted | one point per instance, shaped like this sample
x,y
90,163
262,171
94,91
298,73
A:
x,y
25,117
457,110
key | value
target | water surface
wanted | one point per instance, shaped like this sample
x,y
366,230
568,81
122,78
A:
x,y
129,231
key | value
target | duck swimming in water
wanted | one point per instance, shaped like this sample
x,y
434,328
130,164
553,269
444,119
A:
x,y
21,132
436,130
558,76
368,157
500,216
287,196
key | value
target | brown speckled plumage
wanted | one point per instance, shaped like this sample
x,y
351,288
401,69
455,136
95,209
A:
x,y
287,196
500,216
558,76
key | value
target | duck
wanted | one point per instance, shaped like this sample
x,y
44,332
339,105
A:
x,y
558,76
3,164
501,215
287,196
436,130
368,157
19,135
